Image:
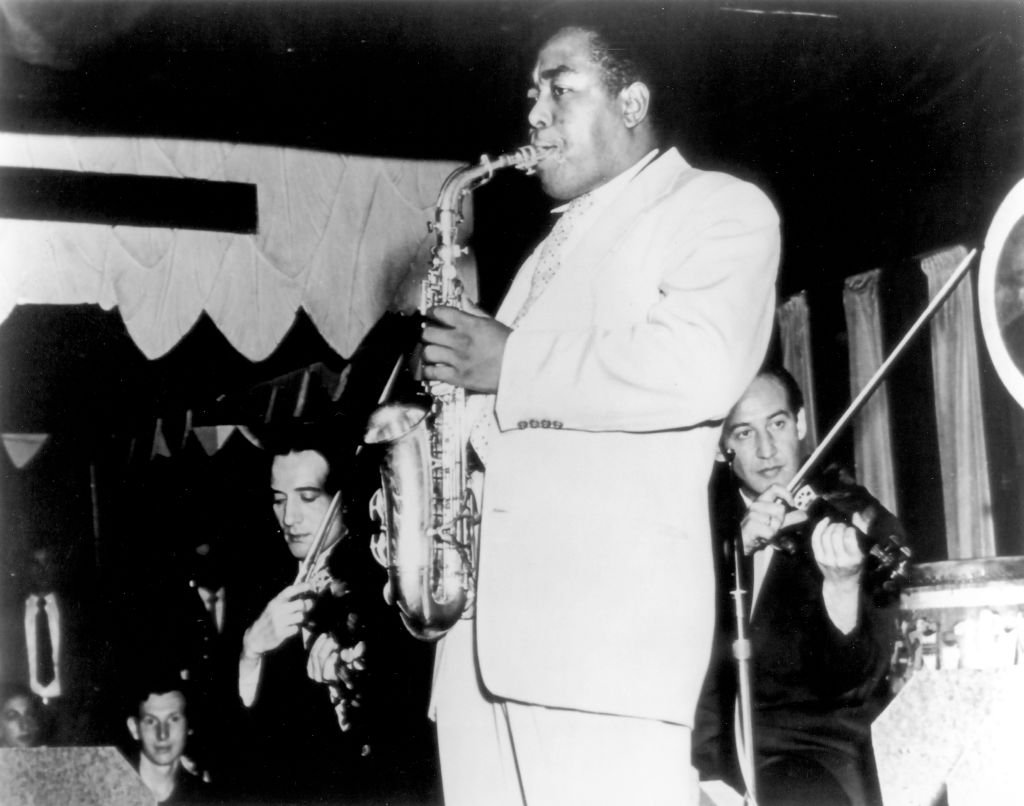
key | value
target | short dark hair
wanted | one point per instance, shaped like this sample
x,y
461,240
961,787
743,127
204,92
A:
x,y
323,437
162,679
620,40
794,395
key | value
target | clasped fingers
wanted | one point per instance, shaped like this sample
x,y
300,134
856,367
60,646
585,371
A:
x,y
837,549
321,665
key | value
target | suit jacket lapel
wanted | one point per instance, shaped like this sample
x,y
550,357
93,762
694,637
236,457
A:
x,y
644,190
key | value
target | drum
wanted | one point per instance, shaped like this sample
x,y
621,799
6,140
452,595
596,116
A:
x,y
960,614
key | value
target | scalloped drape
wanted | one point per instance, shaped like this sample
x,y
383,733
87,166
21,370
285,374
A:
x,y
337,236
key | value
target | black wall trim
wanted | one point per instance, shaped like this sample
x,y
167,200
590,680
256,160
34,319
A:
x,y
142,201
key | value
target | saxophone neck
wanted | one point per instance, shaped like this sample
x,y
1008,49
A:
x,y
469,177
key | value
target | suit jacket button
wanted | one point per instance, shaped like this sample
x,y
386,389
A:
x,y
556,424
523,424
545,423
534,424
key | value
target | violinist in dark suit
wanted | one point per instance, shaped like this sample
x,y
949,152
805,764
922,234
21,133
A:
x,y
821,626
299,725
317,670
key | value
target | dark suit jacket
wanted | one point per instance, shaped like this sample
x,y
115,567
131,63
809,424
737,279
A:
x,y
208,659
815,690
296,747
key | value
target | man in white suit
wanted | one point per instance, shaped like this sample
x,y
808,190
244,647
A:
x,y
622,343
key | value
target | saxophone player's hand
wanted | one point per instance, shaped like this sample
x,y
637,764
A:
x,y
464,348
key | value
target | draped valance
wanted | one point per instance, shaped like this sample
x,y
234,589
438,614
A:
x,y
336,236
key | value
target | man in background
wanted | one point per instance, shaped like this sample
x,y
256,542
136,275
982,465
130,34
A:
x,y
55,646
821,623
158,723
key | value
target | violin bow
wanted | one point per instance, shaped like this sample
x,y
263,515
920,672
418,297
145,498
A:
x,y
858,402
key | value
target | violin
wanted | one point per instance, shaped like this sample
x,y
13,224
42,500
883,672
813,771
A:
x,y
836,495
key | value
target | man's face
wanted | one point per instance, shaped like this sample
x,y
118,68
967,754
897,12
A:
x,y
19,726
161,727
573,111
42,573
300,500
765,436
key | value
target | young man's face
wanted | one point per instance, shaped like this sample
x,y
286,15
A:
x,y
765,436
300,500
574,111
19,726
161,727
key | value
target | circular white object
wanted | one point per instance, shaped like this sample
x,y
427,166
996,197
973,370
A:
x,y
1001,291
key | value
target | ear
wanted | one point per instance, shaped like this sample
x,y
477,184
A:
x,y
801,424
723,454
133,727
635,100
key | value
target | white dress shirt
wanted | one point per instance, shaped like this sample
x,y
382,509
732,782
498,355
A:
x,y
217,608
54,688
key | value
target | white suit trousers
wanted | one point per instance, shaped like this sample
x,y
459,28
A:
x,y
505,753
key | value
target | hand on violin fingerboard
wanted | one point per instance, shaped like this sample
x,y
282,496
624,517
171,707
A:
x,y
340,669
840,558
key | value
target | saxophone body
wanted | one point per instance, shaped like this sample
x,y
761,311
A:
x,y
426,509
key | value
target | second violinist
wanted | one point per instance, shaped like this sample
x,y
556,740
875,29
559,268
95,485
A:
x,y
821,629
317,663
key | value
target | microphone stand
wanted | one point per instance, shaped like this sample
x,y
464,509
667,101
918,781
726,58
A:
x,y
741,652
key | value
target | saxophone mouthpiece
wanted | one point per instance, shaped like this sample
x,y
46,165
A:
x,y
532,155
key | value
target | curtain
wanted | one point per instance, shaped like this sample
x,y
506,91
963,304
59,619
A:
x,y
871,427
337,237
958,411
795,334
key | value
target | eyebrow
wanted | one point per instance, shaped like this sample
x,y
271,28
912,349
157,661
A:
x,y
772,416
554,72
306,488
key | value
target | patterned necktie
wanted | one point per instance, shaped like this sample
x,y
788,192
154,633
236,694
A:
x,y
553,251
485,429
44,645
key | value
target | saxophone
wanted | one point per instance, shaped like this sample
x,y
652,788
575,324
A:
x,y
426,509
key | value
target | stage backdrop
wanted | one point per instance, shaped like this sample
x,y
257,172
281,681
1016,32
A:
x,y
331,233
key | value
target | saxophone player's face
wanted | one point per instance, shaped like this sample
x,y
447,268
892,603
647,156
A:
x,y
301,500
574,112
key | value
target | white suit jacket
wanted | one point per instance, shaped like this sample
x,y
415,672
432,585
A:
x,y
596,587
